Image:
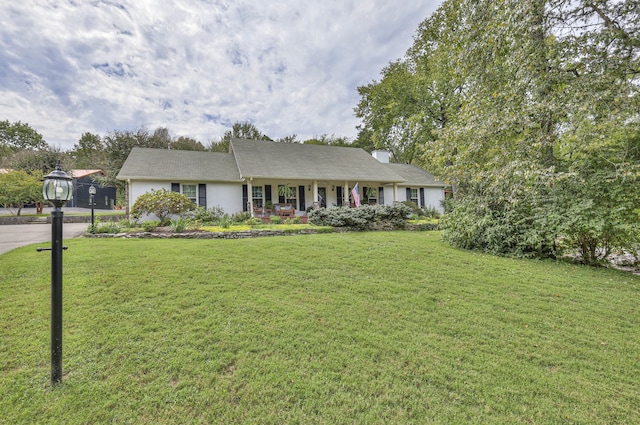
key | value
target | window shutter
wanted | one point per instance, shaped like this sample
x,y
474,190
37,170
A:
x,y
202,195
408,194
301,197
422,197
245,197
175,187
381,195
267,193
339,195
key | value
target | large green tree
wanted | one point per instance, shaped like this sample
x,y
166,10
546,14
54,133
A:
x,y
18,136
186,144
18,188
239,130
417,95
540,100
40,161
89,152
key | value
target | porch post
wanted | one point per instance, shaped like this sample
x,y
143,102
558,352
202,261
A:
x,y
395,192
315,193
250,195
127,197
345,195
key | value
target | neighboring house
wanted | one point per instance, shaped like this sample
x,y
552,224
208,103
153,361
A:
x,y
104,198
253,173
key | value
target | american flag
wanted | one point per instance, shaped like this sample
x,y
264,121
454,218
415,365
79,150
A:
x,y
356,195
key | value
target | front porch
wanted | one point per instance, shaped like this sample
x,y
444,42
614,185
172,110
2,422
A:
x,y
262,197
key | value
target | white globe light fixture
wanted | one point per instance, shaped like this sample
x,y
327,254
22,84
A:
x,y
57,187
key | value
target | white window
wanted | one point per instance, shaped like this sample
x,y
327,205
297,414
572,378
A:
x,y
256,196
190,191
414,196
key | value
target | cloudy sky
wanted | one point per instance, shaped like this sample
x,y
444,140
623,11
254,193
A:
x,y
196,66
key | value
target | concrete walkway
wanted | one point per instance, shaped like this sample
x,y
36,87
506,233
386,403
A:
x,y
16,235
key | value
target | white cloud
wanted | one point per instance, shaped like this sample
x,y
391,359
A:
x,y
196,66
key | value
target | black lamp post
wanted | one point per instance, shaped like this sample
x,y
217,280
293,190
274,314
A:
x,y
92,192
57,189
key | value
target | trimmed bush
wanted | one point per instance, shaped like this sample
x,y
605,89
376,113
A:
x,y
241,217
362,218
275,219
208,216
150,225
180,224
162,204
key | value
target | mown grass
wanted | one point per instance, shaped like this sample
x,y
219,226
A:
x,y
380,327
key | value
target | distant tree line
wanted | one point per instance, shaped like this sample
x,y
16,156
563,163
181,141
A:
x,y
24,150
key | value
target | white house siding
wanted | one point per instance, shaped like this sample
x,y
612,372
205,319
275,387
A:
x,y
137,188
228,196
433,196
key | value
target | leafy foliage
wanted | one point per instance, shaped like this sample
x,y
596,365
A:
x,y
362,218
162,204
18,136
18,188
89,152
180,224
529,109
208,215
239,130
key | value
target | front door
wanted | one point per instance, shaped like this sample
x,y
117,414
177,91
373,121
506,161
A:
x,y
322,197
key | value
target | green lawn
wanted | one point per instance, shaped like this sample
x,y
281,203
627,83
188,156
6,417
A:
x,y
354,328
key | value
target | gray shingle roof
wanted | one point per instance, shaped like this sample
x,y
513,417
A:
x,y
264,159
415,176
272,160
164,164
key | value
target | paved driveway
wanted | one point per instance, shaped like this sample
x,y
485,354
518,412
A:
x,y
16,235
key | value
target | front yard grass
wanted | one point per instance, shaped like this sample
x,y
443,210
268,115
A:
x,y
376,327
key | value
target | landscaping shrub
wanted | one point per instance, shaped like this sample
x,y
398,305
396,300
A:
x,y
241,217
362,218
106,227
150,225
275,219
208,216
519,226
293,220
225,222
431,212
415,209
128,224
180,224
254,221
162,204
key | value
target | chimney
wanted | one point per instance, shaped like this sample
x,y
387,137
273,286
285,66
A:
x,y
382,156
